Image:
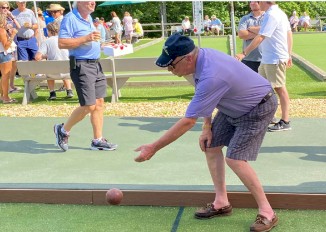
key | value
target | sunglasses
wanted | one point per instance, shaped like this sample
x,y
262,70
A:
x,y
175,64
5,7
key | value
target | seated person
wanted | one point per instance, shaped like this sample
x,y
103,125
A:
x,y
186,26
137,32
216,25
207,24
294,20
49,50
304,21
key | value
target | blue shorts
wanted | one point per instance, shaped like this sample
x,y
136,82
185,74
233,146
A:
x,y
244,135
26,49
5,58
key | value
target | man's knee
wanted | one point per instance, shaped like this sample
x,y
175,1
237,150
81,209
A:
x,y
281,91
88,108
214,151
234,164
99,105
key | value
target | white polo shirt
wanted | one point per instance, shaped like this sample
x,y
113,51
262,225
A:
x,y
274,27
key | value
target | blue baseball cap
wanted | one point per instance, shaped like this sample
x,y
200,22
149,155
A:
x,y
176,45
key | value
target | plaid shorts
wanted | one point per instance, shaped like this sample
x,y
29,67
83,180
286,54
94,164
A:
x,y
244,135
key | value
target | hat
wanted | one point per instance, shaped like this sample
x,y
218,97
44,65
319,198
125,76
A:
x,y
96,20
135,20
176,45
55,7
214,16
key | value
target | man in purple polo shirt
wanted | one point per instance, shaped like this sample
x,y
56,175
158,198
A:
x,y
246,104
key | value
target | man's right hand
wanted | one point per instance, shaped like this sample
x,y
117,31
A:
x,y
94,36
146,152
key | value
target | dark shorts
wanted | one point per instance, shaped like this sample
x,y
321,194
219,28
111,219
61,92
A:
x,y
244,135
254,65
5,58
89,81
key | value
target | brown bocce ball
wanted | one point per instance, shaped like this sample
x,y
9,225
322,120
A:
x,y
114,196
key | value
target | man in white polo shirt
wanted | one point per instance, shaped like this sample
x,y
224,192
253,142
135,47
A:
x,y
275,37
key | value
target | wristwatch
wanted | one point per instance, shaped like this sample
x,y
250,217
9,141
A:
x,y
206,126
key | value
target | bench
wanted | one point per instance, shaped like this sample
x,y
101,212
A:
x,y
117,71
137,67
175,29
315,24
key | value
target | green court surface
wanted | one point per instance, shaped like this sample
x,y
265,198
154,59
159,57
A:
x,y
291,162
73,218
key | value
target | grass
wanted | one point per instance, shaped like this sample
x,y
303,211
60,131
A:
x,y
44,217
312,47
300,83
219,43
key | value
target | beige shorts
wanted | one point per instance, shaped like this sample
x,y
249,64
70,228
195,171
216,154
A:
x,y
274,73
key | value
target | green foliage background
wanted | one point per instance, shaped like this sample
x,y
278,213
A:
x,y
149,12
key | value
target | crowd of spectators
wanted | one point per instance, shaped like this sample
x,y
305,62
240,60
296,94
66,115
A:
x,y
29,35
303,21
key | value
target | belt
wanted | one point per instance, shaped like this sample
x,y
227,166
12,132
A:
x,y
21,38
267,97
89,61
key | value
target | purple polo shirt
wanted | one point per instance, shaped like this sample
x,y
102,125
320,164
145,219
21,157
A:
x,y
224,83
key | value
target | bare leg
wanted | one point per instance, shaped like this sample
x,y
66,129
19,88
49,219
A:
x,y
77,115
97,118
249,178
12,75
216,165
1,93
5,73
51,85
67,84
285,102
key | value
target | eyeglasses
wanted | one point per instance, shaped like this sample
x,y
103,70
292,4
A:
x,y
175,64
5,7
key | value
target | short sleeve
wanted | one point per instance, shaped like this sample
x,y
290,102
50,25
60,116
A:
x,y
66,30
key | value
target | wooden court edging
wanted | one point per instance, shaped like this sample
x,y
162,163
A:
x,y
160,198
